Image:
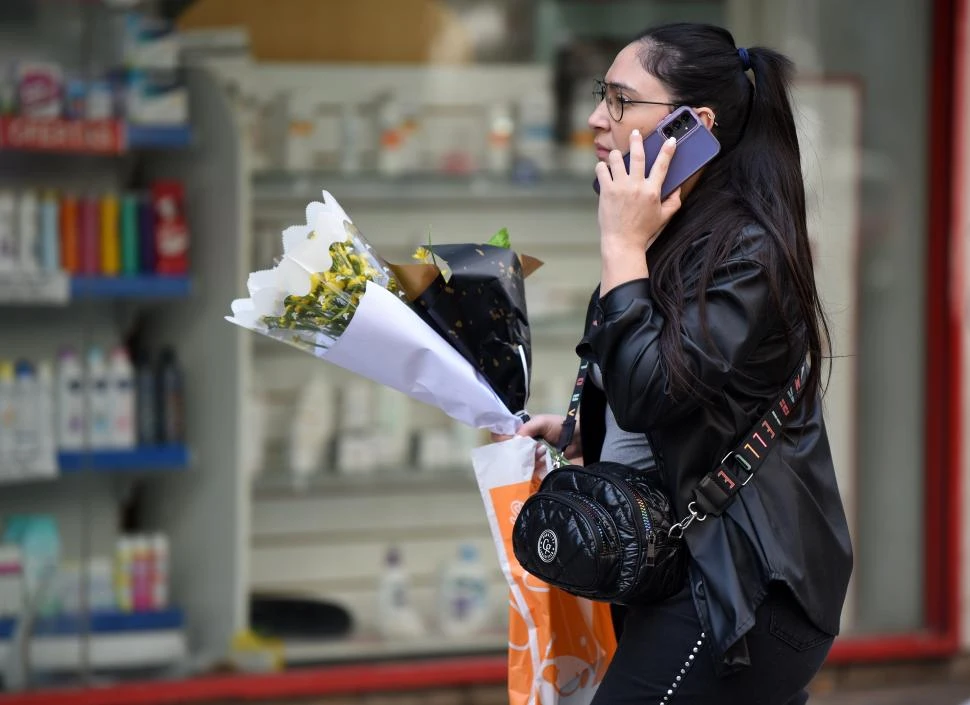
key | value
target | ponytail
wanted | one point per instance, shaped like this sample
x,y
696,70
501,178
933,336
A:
x,y
755,180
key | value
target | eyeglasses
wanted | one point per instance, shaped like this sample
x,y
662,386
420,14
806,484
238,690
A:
x,y
615,100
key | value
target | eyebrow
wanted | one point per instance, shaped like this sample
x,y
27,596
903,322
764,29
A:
x,y
621,86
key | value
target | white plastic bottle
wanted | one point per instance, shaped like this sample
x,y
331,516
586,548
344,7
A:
x,y
160,554
8,419
46,423
28,230
25,436
121,390
464,594
397,617
98,406
70,400
49,225
123,569
9,257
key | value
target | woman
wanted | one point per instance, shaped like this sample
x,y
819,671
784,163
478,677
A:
x,y
689,347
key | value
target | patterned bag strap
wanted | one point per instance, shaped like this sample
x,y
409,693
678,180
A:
x,y
716,490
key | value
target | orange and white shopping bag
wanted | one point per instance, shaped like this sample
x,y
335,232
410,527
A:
x,y
559,644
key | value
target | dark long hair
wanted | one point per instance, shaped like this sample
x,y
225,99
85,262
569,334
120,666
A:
x,y
755,180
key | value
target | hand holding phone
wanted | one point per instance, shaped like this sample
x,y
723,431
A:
x,y
696,147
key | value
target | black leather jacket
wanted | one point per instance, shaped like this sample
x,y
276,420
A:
x,y
786,525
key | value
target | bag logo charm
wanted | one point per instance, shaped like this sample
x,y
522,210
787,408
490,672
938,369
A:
x,y
548,546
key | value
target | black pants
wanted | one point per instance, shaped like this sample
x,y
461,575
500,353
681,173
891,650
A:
x,y
663,657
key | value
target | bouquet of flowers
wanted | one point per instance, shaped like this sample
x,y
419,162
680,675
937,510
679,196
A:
x,y
449,330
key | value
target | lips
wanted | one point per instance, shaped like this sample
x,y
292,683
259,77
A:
x,y
601,151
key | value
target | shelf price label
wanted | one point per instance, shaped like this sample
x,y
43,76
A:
x,y
55,135
50,288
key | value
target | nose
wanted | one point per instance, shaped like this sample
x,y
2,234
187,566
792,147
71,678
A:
x,y
599,119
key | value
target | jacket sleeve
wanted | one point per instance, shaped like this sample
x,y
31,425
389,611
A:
x,y
625,342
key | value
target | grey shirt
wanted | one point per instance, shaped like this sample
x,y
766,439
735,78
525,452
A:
x,y
621,446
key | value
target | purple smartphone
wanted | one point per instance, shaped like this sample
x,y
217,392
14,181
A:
x,y
696,146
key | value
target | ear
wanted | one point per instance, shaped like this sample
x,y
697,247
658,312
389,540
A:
x,y
707,115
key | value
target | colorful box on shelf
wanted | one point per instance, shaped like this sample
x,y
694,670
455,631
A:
x,y
106,622
88,136
167,457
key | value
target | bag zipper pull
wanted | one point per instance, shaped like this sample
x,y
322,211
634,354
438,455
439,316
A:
x,y
651,549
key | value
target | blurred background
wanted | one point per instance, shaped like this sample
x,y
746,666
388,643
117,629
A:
x,y
186,505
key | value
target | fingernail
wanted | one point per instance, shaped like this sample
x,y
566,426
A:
x,y
635,132
671,140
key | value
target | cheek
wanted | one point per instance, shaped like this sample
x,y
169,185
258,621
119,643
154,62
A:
x,y
621,136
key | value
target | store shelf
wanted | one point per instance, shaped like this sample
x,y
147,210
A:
x,y
135,287
270,484
104,137
158,137
305,652
24,288
276,186
101,622
351,680
168,457
103,640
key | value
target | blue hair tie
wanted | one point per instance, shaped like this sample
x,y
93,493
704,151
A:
x,y
745,59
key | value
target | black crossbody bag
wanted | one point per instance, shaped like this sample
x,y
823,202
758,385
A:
x,y
606,532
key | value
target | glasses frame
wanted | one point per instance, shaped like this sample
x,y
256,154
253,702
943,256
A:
x,y
600,88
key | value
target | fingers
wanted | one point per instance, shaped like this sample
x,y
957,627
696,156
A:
x,y
544,426
638,158
603,174
670,205
658,172
532,428
617,167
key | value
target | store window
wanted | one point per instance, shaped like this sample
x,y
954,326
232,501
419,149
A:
x,y
856,94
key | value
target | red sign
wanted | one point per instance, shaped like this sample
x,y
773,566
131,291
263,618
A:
x,y
54,135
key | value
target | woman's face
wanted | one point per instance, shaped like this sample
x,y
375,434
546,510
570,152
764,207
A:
x,y
627,80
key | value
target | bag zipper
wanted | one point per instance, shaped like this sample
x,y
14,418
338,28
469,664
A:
x,y
593,511
630,497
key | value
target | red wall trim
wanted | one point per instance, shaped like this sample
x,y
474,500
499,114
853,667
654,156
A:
x,y
316,682
944,390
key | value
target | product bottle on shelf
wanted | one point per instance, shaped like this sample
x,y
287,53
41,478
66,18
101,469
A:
x,y
9,259
89,235
109,235
146,234
121,377
70,397
26,426
46,422
70,244
160,552
397,617
50,234
146,395
123,561
141,574
99,412
171,229
8,417
464,594
171,409
129,234
27,230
